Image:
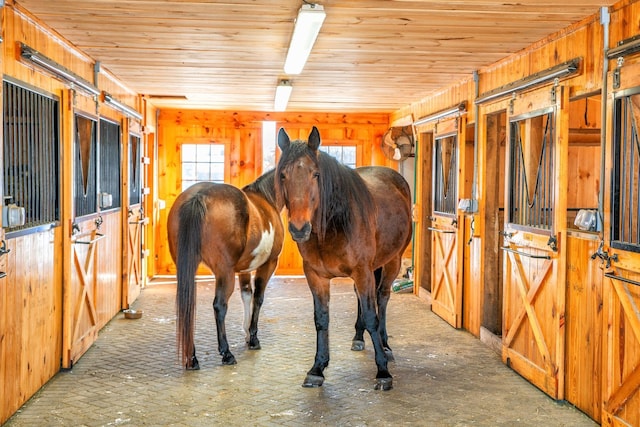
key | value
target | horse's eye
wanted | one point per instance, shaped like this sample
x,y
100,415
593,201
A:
x,y
282,177
316,175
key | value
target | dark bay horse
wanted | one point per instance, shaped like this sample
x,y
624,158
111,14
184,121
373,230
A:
x,y
346,223
230,231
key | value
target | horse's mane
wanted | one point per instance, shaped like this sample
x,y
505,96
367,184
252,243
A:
x,y
264,185
345,199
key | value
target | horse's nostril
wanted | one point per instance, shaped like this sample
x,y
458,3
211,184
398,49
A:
x,y
300,233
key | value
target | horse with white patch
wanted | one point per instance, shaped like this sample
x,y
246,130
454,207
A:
x,y
230,231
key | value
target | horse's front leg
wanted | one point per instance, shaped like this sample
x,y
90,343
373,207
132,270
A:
x,y
320,290
366,286
224,289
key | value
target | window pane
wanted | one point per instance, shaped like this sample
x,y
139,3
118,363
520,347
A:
x,y
189,153
202,171
217,174
217,153
349,156
268,146
203,152
202,162
189,171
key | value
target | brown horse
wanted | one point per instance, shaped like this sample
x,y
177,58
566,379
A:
x,y
230,231
346,223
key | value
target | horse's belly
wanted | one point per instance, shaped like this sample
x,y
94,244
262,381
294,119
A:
x,y
261,253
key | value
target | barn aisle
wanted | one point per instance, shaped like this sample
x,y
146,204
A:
x,y
442,377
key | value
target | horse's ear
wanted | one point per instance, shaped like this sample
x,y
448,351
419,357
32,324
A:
x,y
283,139
314,139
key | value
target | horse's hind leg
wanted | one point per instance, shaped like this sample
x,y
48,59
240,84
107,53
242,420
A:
x,y
367,294
247,295
357,343
384,279
260,280
224,289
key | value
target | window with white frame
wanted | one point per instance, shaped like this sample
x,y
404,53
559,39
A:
x,y
345,154
202,162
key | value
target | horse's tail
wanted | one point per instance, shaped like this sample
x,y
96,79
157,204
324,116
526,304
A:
x,y
192,215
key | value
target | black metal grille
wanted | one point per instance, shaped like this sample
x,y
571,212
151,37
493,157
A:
x,y
84,167
31,154
531,172
445,179
110,169
135,172
625,228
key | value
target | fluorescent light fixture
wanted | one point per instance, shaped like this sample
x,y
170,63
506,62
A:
x,y
108,99
305,32
57,70
559,71
283,92
625,47
450,112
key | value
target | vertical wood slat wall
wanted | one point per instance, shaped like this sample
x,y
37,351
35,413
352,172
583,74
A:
x,y
241,132
38,265
591,374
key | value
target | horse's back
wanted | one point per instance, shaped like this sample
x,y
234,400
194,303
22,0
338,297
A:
x,y
225,222
392,197
235,225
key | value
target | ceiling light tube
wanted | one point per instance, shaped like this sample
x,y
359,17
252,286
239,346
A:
x,y
283,92
454,111
305,32
625,47
58,70
562,70
108,99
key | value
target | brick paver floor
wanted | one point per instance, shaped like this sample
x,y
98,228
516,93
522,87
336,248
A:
x,y
442,376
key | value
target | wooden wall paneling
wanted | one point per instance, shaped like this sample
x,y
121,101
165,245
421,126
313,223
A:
x,y
242,131
32,328
584,321
21,26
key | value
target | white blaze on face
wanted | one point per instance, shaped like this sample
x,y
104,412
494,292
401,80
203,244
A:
x,y
263,250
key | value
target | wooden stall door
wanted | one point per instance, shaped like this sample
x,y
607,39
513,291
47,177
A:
x,y
447,227
535,231
80,309
422,213
135,249
136,220
621,346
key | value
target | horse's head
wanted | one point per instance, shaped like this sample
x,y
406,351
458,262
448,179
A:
x,y
297,182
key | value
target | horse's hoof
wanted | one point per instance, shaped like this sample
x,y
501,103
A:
x,y
389,354
313,381
384,384
192,365
357,345
254,344
229,359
